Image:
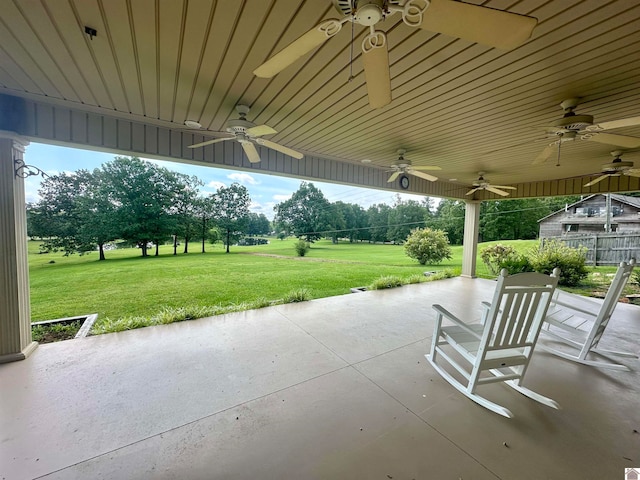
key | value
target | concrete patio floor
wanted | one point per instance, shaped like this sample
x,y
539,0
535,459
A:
x,y
336,388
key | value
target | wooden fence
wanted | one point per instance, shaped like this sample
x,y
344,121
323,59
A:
x,y
606,248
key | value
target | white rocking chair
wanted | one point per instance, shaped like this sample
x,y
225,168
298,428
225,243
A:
x,y
502,343
581,323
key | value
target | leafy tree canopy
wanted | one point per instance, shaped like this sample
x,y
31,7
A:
x,y
306,213
231,212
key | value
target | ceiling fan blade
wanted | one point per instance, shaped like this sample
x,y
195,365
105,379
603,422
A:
x,y
497,191
597,180
209,142
505,187
260,130
612,139
483,25
625,122
633,172
426,176
375,58
279,148
298,48
545,154
251,152
425,167
473,190
393,176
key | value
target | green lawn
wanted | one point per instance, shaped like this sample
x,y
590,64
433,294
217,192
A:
x,y
128,285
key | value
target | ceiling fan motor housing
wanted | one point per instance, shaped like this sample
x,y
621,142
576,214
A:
x,y
571,121
616,167
239,125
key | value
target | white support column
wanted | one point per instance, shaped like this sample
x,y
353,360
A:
x,y
470,240
15,310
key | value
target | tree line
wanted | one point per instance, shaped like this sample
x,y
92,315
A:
x,y
309,214
143,204
138,202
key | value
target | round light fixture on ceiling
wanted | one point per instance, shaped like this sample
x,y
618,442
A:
x,y
192,124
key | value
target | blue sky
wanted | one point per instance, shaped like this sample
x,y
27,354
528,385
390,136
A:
x,y
265,190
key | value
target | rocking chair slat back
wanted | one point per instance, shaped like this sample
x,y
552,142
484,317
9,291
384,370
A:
x,y
515,315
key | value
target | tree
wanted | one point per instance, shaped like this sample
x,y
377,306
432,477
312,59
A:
x,y
72,214
204,208
144,196
405,216
378,219
185,208
306,213
231,211
98,224
449,217
511,219
338,213
258,224
427,245
353,219
55,216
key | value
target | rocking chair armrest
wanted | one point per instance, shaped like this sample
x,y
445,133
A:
x,y
450,316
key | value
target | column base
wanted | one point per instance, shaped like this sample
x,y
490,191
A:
x,y
15,357
463,275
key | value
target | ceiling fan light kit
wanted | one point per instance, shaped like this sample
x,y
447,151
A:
x,y
475,23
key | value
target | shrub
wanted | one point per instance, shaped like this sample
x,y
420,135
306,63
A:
x,y
427,245
301,247
516,264
571,261
389,281
495,255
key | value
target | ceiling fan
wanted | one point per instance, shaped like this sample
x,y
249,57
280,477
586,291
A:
x,y
248,134
572,126
403,166
483,25
482,184
616,168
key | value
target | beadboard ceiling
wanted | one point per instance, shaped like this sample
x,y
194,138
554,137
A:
x,y
455,104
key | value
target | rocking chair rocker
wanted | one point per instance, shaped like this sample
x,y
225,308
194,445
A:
x,y
502,343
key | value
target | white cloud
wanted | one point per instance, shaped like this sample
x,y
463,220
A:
x,y
243,178
215,184
282,198
265,208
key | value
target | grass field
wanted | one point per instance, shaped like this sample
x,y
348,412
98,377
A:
x,y
128,285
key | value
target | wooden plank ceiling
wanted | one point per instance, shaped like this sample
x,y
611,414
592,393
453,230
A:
x,y
456,104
